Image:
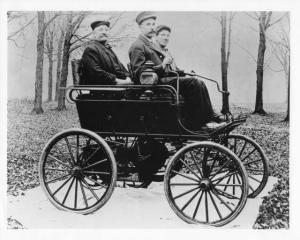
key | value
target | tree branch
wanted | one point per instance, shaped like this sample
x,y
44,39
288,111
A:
x,y
21,29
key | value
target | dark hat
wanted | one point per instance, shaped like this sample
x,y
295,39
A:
x,y
143,16
99,23
162,27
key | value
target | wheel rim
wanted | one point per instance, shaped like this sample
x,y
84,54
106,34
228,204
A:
x,y
254,160
200,192
77,171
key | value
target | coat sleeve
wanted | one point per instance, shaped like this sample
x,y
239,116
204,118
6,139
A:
x,y
93,67
137,61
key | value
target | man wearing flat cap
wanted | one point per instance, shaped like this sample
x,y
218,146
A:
x,y
193,90
100,65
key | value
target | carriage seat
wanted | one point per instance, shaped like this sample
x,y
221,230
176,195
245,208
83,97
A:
x,y
111,92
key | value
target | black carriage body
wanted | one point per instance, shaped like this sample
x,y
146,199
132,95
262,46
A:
x,y
131,111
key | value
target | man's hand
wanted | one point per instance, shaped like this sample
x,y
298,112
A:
x,y
126,81
167,61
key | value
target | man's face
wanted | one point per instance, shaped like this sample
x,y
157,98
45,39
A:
x,y
162,38
101,33
148,27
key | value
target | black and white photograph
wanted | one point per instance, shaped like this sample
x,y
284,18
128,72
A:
x,y
147,118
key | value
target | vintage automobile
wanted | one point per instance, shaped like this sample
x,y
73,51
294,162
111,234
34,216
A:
x,y
136,134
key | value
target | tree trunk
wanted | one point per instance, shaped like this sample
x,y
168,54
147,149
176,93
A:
x,y
50,70
39,65
260,67
224,64
64,71
287,117
58,67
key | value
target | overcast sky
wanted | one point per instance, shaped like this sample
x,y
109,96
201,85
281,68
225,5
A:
x,y
195,45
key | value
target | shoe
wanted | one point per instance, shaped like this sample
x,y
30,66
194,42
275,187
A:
x,y
218,118
214,125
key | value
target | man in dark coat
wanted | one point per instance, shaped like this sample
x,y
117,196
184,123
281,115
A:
x,y
192,89
100,65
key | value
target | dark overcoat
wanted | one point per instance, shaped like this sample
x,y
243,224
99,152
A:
x,y
143,50
101,66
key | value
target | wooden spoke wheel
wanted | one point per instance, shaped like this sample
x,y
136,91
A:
x,y
254,160
201,191
77,171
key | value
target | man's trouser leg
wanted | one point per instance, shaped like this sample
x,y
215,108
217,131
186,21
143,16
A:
x,y
196,98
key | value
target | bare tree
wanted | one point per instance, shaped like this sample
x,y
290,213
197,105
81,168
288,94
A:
x,y
281,50
226,23
59,58
42,26
49,38
73,23
264,22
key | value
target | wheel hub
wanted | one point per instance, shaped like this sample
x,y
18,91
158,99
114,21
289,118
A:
x,y
77,171
205,184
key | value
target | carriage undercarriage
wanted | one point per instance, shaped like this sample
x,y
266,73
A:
x,y
136,135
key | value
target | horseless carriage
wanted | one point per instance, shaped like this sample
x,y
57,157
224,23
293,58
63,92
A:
x,y
135,134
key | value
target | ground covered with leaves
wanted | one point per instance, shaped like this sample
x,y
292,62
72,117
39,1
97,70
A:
x,y
28,133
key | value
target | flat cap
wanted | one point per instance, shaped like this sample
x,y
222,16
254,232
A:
x,y
162,27
99,23
143,16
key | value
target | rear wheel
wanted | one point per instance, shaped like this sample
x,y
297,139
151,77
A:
x,y
77,171
254,160
199,192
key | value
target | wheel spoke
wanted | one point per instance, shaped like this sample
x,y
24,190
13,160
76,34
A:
x,y
233,185
226,205
55,169
70,151
226,185
190,200
213,163
197,166
251,187
230,185
234,147
67,193
215,205
76,192
65,157
221,178
206,207
58,178
225,194
192,171
97,172
77,147
254,178
184,184
205,158
187,192
85,161
69,178
96,163
248,163
243,159
254,170
83,194
193,179
197,206
243,148
92,191
224,165
57,160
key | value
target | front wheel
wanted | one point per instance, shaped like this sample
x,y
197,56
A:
x,y
200,191
77,171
